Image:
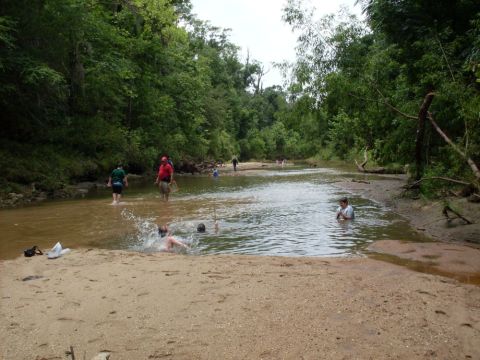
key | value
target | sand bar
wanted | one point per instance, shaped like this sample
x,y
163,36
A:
x,y
167,306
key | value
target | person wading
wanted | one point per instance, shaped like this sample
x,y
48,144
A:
x,y
164,177
117,180
345,211
235,163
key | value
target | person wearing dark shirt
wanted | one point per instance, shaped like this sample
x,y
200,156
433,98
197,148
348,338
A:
x,y
117,180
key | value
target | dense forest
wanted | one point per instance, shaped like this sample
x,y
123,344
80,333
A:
x,y
85,84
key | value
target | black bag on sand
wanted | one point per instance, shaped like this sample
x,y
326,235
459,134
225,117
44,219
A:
x,y
32,252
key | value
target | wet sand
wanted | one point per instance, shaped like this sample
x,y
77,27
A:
x,y
156,306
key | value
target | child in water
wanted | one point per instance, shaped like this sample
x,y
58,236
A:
x,y
170,240
345,211
201,227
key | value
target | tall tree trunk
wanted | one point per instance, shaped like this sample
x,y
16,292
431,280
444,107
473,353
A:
x,y
422,117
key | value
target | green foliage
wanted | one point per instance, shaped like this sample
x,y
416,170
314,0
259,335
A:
x,y
433,188
86,84
363,78
342,134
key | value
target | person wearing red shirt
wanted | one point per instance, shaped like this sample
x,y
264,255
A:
x,y
164,177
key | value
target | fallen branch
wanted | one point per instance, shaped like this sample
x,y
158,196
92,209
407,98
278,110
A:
x,y
361,167
470,162
447,208
361,181
474,198
394,108
415,183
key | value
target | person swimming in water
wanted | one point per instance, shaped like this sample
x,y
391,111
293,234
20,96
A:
x,y
201,227
170,241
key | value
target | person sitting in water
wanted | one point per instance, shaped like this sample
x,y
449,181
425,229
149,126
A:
x,y
215,172
170,240
345,211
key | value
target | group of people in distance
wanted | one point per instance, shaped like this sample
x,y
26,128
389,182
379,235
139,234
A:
x,y
118,179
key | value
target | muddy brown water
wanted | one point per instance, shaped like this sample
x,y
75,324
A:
x,y
286,212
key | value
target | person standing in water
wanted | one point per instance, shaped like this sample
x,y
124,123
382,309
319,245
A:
x,y
117,180
235,162
345,211
164,177
215,173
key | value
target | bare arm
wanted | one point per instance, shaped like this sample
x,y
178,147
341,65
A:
x,y
172,240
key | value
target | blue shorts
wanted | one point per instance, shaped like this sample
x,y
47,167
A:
x,y
117,188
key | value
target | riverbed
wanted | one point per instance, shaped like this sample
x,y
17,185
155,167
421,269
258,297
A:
x,y
286,212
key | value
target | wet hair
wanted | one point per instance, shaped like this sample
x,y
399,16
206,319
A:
x,y
344,200
162,230
201,227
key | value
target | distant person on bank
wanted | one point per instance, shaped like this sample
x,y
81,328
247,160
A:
x,y
117,180
235,163
345,211
164,177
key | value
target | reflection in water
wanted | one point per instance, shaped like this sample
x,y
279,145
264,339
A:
x,y
290,212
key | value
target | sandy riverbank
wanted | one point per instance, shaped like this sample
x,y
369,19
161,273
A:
x,y
159,306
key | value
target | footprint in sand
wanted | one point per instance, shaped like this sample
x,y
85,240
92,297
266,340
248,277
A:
x,y
219,277
93,340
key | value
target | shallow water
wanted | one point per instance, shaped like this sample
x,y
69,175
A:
x,y
273,212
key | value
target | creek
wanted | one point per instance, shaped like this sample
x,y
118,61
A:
x,y
286,212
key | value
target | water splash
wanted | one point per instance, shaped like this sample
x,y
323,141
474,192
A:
x,y
146,230
145,238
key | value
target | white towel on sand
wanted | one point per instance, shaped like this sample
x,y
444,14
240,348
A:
x,y
57,251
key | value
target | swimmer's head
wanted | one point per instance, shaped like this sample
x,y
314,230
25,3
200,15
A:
x,y
162,230
201,228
